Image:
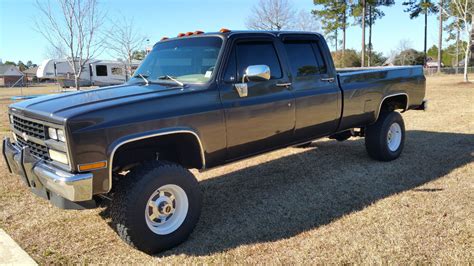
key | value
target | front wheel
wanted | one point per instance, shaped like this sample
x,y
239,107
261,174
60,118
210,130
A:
x,y
384,140
157,207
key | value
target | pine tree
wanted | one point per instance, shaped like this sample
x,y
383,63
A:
x,y
372,13
425,8
334,13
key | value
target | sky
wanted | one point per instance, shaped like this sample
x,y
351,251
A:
x,y
157,18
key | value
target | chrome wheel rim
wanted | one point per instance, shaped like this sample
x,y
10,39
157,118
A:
x,y
394,137
166,209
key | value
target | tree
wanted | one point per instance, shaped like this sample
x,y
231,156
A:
x,y
373,13
272,15
72,24
406,55
21,66
138,55
55,52
305,21
418,7
462,11
440,35
449,55
9,63
351,58
410,57
334,14
123,39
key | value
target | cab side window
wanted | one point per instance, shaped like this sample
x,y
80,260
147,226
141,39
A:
x,y
323,69
305,59
302,59
257,53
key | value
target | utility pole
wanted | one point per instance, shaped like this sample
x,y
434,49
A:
x,y
362,59
426,31
440,38
369,57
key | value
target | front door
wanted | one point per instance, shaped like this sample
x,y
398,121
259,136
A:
x,y
263,119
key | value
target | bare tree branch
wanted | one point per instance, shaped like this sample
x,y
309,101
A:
x,y
462,11
272,15
71,24
306,21
123,39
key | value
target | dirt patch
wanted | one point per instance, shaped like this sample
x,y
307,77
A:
x,y
325,203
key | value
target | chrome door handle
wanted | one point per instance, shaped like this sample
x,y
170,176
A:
x,y
283,84
328,79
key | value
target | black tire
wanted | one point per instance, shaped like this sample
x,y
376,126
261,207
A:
x,y
376,137
130,201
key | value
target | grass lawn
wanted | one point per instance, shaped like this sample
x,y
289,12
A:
x,y
325,203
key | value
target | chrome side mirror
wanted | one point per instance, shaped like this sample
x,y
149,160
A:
x,y
256,73
252,73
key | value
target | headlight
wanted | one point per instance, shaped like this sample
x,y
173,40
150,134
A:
x,y
56,134
11,119
52,133
60,134
58,156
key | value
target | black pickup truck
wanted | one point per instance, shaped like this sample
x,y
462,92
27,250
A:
x,y
200,100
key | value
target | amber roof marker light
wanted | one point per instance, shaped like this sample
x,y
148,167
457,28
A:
x,y
198,32
224,30
181,34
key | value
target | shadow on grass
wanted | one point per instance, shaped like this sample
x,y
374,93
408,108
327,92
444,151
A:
x,y
287,196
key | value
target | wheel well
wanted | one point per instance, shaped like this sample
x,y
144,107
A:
x,y
182,148
395,102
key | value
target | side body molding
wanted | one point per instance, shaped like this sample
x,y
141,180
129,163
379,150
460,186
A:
x,y
129,139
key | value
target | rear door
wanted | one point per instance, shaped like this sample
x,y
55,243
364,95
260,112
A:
x,y
264,119
314,84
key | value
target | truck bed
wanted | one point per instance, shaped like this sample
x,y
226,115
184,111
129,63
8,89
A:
x,y
364,89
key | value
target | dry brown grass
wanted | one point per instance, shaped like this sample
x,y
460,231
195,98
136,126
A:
x,y
326,203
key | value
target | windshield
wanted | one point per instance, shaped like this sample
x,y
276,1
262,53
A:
x,y
190,60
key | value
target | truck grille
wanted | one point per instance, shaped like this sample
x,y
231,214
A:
x,y
31,129
38,150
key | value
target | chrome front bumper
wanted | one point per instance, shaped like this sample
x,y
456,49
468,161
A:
x,y
44,180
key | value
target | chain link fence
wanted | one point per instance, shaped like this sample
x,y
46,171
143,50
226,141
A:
x,y
447,70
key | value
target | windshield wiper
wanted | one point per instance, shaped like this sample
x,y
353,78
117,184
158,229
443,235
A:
x,y
168,77
144,78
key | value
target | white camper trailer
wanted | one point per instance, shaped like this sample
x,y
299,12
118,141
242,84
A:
x,y
95,72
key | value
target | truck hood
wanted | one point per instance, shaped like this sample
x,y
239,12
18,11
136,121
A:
x,y
59,107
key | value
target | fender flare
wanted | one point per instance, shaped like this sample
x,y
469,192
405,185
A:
x,y
145,135
390,96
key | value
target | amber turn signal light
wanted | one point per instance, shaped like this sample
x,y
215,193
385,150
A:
x,y
92,166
